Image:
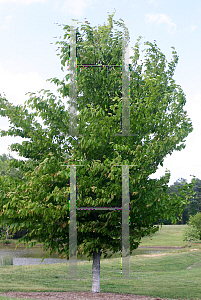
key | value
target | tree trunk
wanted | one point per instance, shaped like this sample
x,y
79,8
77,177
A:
x,y
7,232
96,272
182,220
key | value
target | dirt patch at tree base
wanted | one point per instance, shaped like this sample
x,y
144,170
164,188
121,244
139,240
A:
x,y
78,296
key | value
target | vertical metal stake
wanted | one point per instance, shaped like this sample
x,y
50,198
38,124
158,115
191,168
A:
x,y
125,221
73,84
125,88
72,226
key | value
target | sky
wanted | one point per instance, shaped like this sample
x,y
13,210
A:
x,y
28,32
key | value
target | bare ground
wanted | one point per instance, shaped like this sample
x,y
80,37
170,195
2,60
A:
x,y
78,296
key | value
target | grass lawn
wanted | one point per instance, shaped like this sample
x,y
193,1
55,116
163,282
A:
x,y
167,275
168,235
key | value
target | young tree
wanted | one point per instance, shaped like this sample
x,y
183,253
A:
x,y
40,202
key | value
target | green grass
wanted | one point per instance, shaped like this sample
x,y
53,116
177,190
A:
x,y
168,235
173,275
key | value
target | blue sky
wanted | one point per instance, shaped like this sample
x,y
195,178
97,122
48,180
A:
x,y
28,53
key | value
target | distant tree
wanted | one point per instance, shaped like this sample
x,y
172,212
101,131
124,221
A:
x,y
3,164
191,208
175,188
183,217
4,157
6,168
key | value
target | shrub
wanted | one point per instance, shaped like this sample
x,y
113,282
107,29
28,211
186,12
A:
x,y
191,234
193,230
7,242
196,221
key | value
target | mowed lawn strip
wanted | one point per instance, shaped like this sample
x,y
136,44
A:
x,y
173,275
167,275
168,235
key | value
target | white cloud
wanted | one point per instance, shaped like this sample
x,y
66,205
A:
x,y
193,107
77,7
16,85
193,27
26,2
197,98
6,22
153,2
161,18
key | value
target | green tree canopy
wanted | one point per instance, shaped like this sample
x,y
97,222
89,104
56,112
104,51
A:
x,y
40,202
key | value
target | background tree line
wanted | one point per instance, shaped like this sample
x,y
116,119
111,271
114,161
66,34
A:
x,y
194,205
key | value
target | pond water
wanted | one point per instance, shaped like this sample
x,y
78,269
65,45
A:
x,y
33,256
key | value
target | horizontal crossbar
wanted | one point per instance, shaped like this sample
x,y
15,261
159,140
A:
x,y
102,164
99,65
120,134
99,208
